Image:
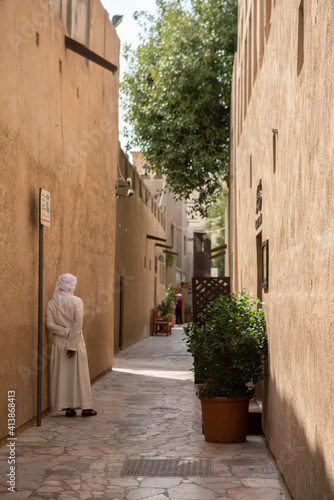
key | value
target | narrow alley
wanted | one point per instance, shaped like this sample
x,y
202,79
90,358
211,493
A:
x,y
145,443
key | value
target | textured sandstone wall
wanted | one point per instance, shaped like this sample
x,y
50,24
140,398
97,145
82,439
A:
x,y
58,130
292,92
143,278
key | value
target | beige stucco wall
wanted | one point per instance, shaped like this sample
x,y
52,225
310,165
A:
x,y
143,282
58,131
179,237
298,221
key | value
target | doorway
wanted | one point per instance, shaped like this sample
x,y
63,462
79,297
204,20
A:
x,y
259,266
155,292
259,387
121,307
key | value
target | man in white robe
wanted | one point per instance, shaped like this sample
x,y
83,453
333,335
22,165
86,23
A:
x,y
70,380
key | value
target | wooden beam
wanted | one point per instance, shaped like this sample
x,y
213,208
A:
x,y
168,251
163,246
221,247
150,237
217,255
83,51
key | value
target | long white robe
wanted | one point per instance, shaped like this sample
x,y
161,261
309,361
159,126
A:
x,y
70,380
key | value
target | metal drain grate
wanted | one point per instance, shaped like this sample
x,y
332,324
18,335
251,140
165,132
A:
x,y
252,470
249,466
184,467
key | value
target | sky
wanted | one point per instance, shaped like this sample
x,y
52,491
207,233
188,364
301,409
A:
x,y
127,32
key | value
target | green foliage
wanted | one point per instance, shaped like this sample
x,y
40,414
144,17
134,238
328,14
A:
x,y
170,259
170,294
188,308
229,350
167,306
177,94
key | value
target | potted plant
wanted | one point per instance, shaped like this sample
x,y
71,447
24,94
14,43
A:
x,y
188,313
167,306
228,351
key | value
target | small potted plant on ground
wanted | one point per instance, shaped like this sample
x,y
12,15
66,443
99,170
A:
x,y
167,306
188,313
228,351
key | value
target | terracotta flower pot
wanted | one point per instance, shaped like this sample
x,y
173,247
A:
x,y
225,420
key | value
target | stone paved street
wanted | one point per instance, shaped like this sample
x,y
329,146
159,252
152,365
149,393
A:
x,y
147,409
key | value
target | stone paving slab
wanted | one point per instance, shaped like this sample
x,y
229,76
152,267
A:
x,y
147,409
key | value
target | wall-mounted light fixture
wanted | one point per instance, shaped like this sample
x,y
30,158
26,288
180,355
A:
x,y
116,20
122,186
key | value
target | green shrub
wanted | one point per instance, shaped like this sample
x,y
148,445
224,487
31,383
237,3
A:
x,y
230,348
167,307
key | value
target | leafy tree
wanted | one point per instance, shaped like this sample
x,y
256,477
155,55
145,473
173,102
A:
x,y
177,93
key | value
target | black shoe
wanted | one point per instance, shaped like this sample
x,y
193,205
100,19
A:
x,y
70,412
88,413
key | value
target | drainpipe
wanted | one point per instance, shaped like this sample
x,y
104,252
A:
x,y
162,194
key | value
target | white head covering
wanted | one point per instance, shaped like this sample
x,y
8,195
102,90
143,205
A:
x,y
65,287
